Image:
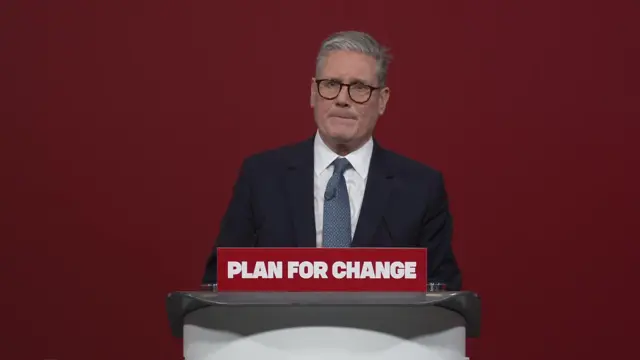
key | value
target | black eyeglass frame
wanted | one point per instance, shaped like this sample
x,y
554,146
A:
x,y
371,89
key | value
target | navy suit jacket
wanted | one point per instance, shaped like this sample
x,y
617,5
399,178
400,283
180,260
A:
x,y
405,205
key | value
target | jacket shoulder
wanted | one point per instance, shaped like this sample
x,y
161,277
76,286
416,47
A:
x,y
408,167
277,156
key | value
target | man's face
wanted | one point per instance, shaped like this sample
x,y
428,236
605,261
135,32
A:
x,y
344,120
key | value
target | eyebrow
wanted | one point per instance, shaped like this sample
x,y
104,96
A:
x,y
356,80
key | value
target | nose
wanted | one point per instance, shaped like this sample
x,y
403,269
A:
x,y
343,97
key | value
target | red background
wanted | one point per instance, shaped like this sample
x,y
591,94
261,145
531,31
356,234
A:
x,y
124,123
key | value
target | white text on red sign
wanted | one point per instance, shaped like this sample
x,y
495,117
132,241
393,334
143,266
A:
x,y
322,270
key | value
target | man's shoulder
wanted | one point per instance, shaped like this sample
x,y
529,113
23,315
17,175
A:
x,y
408,167
282,155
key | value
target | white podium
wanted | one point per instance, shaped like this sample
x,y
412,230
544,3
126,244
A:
x,y
336,326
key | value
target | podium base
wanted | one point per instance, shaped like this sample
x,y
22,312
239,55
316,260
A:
x,y
278,326
315,343
332,332
327,326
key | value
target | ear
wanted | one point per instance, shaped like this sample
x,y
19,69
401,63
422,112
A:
x,y
384,99
313,92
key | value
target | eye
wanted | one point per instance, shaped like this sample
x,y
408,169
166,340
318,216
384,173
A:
x,y
359,87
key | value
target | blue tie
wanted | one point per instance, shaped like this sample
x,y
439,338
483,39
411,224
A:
x,y
337,212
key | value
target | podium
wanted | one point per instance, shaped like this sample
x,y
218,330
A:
x,y
324,325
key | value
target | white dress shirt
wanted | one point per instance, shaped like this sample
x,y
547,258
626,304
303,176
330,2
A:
x,y
356,178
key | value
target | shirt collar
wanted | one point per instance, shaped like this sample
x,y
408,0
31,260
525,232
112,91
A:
x,y
359,159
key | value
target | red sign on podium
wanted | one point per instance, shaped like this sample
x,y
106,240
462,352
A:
x,y
322,269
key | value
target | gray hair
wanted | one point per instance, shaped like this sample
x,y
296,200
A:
x,y
358,42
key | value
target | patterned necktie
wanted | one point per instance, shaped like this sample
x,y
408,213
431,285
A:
x,y
337,212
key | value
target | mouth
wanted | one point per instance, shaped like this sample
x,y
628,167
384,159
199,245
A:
x,y
343,117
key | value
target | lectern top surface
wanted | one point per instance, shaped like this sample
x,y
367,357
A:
x,y
181,303
321,298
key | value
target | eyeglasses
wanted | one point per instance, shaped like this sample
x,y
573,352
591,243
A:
x,y
358,92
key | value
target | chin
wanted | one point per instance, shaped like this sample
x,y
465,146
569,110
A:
x,y
341,136
346,130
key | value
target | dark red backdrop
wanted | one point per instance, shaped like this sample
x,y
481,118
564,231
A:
x,y
123,124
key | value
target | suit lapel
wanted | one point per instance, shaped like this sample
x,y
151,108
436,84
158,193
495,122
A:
x,y
376,195
299,190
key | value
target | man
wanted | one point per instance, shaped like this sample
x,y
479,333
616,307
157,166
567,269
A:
x,y
340,188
